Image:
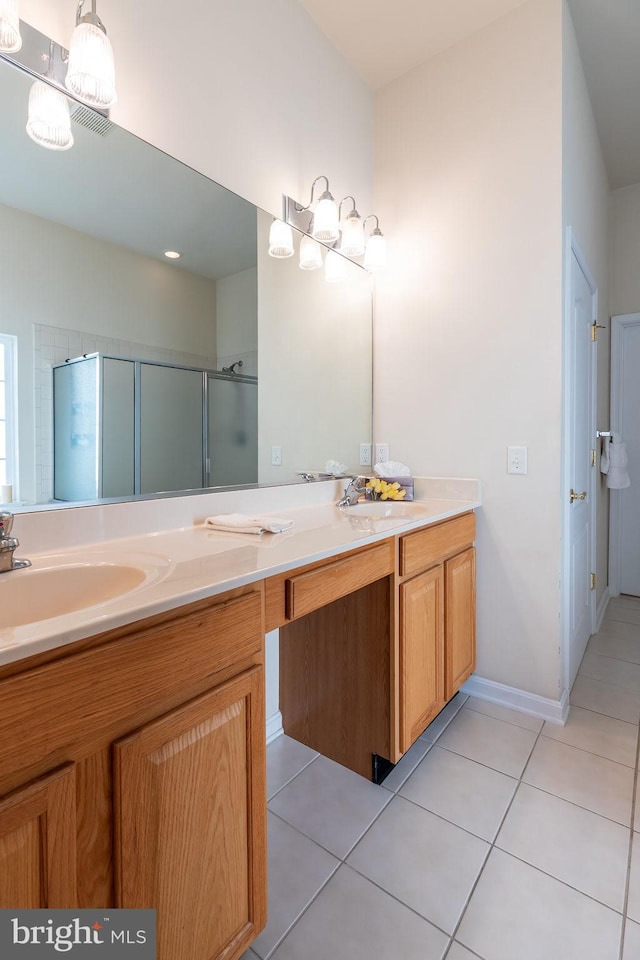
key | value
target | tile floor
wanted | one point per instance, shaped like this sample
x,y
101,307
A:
x,y
496,837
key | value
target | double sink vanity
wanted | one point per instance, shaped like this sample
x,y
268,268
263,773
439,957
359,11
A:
x,y
132,694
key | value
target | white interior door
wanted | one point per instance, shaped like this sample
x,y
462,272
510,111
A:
x,y
625,419
579,471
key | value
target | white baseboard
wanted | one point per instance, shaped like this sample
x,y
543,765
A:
x,y
555,711
602,607
274,726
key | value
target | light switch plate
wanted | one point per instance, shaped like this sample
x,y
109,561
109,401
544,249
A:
x,y
517,460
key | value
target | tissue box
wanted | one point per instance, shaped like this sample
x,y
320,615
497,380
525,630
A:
x,y
406,484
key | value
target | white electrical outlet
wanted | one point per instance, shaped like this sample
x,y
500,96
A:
x,y
365,454
382,452
516,460
276,456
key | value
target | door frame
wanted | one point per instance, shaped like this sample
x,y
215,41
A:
x,y
618,325
573,249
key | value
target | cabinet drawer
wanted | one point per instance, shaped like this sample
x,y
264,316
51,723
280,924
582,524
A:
x,y
422,549
316,588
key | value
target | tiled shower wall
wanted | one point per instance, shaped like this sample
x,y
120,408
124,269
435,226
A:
x,y
54,345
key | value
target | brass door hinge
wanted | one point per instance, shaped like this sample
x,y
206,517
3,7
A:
x,y
593,581
594,329
593,458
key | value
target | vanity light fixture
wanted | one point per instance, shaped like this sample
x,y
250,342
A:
x,y
375,255
10,39
280,240
335,267
352,242
310,253
172,254
91,70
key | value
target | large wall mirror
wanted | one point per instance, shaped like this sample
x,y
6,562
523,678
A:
x,y
135,374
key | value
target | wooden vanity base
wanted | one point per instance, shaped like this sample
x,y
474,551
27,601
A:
x,y
335,678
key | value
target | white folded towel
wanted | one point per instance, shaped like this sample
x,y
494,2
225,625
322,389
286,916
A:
x,y
617,474
241,523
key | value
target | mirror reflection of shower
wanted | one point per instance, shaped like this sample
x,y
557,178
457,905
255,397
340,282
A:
x,y
232,367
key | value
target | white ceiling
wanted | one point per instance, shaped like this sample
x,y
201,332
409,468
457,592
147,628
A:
x,y
383,39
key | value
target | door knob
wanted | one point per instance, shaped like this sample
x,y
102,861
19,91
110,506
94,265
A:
x,y
577,496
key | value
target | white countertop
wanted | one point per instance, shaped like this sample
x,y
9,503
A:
x,y
193,563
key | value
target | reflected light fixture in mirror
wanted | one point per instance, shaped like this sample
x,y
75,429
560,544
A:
x,y
310,253
172,254
10,39
91,70
49,121
352,241
280,240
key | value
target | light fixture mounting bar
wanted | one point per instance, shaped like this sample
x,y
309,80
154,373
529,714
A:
x,y
34,57
295,215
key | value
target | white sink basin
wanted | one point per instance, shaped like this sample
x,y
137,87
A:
x,y
40,593
381,509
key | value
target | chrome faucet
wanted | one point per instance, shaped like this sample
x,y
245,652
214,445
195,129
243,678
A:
x,y
352,492
8,545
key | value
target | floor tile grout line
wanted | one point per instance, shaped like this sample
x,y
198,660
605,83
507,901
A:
x,y
493,843
565,883
565,743
634,801
302,912
578,806
511,723
291,779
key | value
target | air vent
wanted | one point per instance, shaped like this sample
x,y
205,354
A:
x,y
92,120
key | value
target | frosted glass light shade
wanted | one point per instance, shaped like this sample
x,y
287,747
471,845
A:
x,y
375,256
352,244
49,122
10,39
280,240
326,224
91,71
310,254
335,267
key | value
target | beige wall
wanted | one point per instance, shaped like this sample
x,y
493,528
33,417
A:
x,y
314,368
89,287
469,315
586,201
237,321
250,93
625,250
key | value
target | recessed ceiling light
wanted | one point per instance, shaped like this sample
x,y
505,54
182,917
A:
x,y
172,254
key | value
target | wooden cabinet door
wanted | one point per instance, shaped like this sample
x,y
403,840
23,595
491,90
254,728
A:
x,y
421,653
190,801
460,620
38,843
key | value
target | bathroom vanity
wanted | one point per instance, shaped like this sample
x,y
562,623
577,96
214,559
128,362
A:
x,y
132,759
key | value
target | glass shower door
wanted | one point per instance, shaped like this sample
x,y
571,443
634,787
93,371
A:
x,y
232,430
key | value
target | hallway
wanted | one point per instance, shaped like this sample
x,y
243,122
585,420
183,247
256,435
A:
x,y
496,837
